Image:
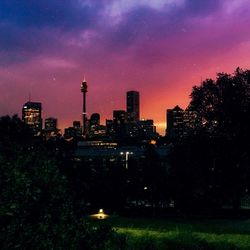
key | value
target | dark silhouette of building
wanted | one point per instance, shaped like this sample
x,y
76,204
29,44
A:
x,y
175,122
147,128
110,127
180,123
77,124
95,129
133,106
84,90
94,119
73,132
70,133
119,122
32,116
77,127
50,127
50,124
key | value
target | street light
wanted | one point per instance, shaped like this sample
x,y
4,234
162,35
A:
x,y
127,153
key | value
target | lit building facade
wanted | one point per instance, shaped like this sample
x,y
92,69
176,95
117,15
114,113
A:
x,y
181,123
32,116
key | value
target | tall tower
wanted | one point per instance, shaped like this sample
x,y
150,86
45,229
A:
x,y
84,90
133,106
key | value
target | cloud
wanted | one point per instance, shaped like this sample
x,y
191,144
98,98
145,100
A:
x,y
159,47
62,14
202,8
31,28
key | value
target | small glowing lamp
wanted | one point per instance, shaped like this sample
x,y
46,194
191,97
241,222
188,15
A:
x,y
100,215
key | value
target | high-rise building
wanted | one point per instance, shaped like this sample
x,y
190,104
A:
x,y
109,127
119,122
95,129
181,123
50,124
147,128
77,127
50,127
32,116
94,119
133,106
175,122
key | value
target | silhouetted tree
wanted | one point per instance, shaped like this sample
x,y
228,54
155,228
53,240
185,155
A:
x,y
36,205
224,105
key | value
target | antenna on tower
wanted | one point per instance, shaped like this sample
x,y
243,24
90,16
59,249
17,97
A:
x,y
29,97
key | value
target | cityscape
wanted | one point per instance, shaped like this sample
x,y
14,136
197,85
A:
x,y
125,125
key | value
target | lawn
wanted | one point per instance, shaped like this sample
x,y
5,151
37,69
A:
x,y
146,233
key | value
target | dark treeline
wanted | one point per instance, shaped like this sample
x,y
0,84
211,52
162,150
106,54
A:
x,y
211,167
45,191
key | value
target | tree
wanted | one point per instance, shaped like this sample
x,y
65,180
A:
x,y
224,105
36,205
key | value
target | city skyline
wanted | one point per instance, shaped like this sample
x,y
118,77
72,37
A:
x,y
159,48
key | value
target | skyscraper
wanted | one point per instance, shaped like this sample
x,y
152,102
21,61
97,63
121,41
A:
x,y
133,106
180,123
32,116
119,122
175,122
50,128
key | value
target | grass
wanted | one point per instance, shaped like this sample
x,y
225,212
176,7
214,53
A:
x,y
144,233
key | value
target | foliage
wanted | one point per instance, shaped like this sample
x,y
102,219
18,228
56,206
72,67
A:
x,y
211,167
36,206
224,103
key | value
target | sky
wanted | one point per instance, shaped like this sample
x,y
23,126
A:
x,y
161,48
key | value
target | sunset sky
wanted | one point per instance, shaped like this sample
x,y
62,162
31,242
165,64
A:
x,y
160,48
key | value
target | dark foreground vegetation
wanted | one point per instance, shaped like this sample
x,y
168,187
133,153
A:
x,y
45,193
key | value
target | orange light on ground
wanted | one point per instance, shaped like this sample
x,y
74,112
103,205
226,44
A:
x,y
100,215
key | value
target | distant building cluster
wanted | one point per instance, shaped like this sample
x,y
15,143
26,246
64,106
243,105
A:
x,y
32,116
124,123
180,123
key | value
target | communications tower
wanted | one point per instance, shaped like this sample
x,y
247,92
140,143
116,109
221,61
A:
x,y
84,90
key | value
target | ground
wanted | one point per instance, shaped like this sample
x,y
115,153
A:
x,y
146,233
